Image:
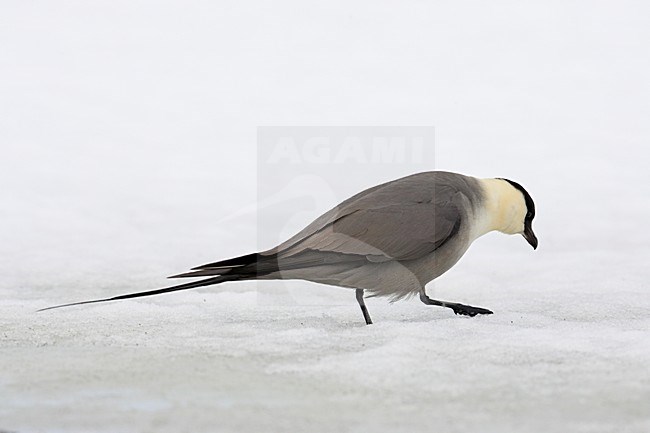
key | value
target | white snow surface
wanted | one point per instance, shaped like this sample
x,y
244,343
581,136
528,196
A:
x,y
128,137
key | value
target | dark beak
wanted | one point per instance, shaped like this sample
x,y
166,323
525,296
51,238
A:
x,y
530,236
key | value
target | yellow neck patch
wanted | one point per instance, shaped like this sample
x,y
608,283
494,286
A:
x,y
505,207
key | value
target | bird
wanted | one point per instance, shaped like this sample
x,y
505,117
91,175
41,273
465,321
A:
x,y
389,240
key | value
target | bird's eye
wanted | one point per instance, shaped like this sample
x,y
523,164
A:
x,y
529,215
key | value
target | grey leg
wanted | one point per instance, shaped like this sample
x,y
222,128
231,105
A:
x,y
362,304
466,310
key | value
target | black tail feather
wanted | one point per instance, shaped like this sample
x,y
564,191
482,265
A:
x,y
202,273
192,285
231,263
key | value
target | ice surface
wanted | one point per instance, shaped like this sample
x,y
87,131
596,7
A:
x,y
128,138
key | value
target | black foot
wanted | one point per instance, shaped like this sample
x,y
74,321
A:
x,y
468,310
465,310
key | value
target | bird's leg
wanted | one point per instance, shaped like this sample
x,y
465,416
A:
x,y
362,304
466,310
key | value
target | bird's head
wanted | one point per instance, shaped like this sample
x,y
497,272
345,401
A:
x,y
517,211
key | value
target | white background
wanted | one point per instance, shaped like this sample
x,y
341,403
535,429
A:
x,y
128,136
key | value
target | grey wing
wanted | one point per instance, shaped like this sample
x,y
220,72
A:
x,y
432,196
404,228
400,233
